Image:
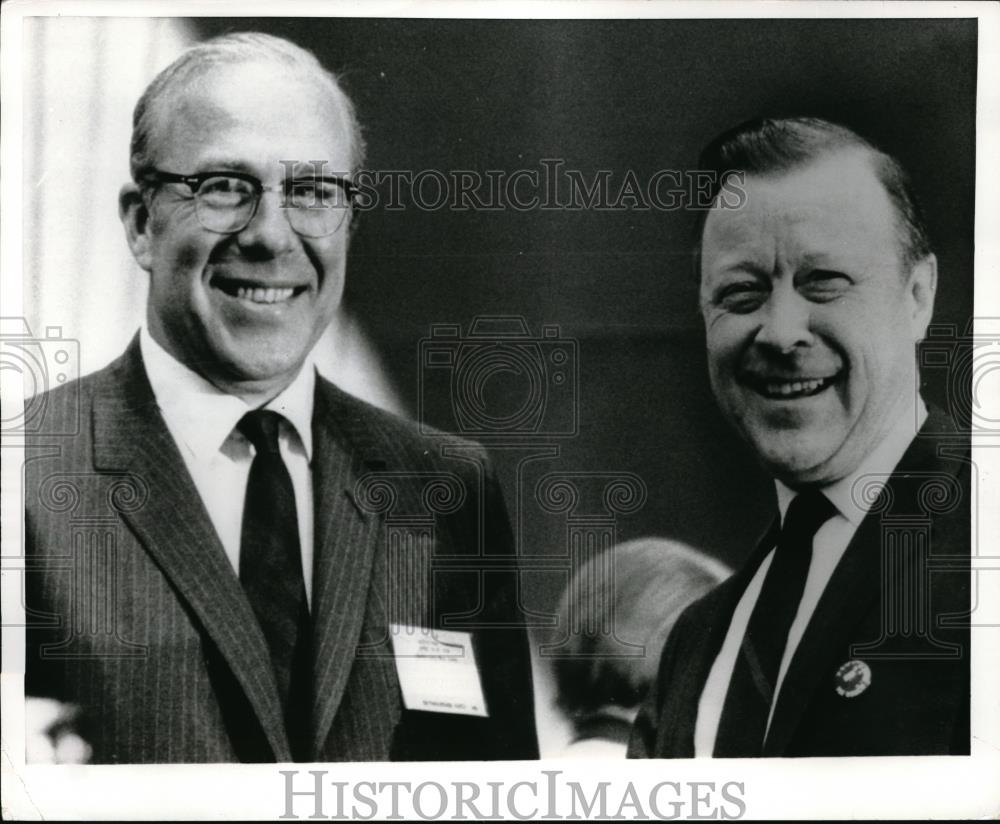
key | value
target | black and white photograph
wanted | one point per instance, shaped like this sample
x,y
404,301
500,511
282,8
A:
x,y
484,412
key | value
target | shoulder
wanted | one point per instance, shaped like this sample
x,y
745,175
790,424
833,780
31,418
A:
x,y
702,625
932,482
63,411
396,439
59,439
704,614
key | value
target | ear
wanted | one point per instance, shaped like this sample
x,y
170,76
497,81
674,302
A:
x,y
921,289
134,215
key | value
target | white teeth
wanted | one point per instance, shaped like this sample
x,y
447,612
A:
x,y
260,295
786,389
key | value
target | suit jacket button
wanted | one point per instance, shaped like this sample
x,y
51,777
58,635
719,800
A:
x,y
853,678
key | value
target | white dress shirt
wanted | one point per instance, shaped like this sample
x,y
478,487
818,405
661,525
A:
x,y
202,420
829,545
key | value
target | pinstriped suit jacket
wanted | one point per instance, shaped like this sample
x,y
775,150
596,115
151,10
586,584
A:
x,y
136,615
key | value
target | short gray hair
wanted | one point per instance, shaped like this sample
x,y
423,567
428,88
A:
x,y
241,47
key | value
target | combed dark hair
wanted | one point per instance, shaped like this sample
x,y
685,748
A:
x,y
654,580
241,47
766,146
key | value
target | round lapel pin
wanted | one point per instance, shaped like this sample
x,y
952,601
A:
x,y
853,678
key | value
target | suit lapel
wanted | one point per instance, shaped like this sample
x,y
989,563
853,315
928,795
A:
x,y
850,591
692,666
175,529
850,594
346,539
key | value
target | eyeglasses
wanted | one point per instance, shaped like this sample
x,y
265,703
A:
x,y
225,202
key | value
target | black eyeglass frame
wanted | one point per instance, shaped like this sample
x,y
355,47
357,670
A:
x,y
195,181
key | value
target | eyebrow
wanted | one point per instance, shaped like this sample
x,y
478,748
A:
x,y
819,260
225,165
744,266
809,261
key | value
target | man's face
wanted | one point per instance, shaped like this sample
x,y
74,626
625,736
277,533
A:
x,y
811,317
203,307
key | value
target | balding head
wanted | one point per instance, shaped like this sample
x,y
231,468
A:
x,y
230,49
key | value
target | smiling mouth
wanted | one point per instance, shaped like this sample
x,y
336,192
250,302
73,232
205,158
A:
x,y
254,292
784,389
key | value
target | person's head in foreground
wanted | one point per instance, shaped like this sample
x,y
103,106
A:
x,y
619,608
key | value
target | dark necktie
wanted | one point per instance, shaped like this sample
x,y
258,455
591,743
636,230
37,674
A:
x,y
271,574
752,688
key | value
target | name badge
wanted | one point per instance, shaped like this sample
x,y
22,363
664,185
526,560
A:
x,y
437,670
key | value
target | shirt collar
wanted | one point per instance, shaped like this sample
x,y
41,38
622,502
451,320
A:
x,y
202,416
296,404
880,462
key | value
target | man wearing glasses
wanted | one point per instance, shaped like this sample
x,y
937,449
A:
x,y
255,606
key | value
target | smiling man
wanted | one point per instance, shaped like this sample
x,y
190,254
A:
x,y
213,577
842,633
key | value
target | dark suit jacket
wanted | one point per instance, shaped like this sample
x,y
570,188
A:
x,y
913,543
136,614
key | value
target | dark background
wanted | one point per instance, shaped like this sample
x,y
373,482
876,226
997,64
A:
x,y
642,95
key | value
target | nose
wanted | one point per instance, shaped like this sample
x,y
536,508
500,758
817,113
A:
x,y
786,320
269,228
